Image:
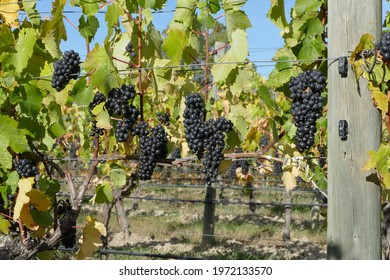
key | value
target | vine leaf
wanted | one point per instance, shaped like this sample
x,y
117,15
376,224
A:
x,y
10,12
22,205
24,49
39,200
304,6
380,160
277,15
104,75
103,193
175,43
237,53
118,177
11,136
4,225
90,240
379,98
103,120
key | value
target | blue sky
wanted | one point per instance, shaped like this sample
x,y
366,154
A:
x,y
263,36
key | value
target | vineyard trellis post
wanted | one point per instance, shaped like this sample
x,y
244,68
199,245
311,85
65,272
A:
x,y
354,208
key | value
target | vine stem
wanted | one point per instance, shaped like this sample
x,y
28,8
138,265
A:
x,y
71,23
5,215
141,93
125,62
206,69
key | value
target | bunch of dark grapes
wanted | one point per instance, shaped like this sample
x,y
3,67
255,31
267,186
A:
x,y
118,99
163,118
306,105
96,131
97,99
25,167
125,126
241,163
278,166
175,153
264,140
65,69
214,144
130,49
68,233
194,117
322,158
384,46
153,146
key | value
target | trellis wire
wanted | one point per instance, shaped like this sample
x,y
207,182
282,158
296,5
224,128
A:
x,y
248,63
227,202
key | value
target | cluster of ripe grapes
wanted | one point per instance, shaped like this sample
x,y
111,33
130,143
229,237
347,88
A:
x,y
25,167
153,146
307,104
205,138
65,69
240,163
118,104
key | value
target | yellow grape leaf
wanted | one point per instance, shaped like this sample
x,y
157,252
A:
x,y
90,240
9,12
27,219
289,178
39,200
25,185
4,225
380,100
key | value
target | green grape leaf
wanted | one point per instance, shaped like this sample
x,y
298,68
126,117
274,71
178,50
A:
x,y
88,26
237,53
33,101
24,48
236,20
4,225
118,177
89,8
380,160
7,38
113,14
32,12
277,15
43,219
5,156
53,30
174,44
12,181
104,76
213,6
304,6
103,120
16,138
103,194
56,130
185,11
82,94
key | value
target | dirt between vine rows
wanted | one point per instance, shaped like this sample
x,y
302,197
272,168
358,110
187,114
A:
x,y
302,249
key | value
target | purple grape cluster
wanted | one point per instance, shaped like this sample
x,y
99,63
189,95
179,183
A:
x,y
65,69
307,104
153,146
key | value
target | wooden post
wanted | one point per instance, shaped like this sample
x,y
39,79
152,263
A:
x,y
208,238
354,202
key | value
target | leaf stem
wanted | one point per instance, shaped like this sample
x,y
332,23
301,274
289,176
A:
x,y
71,23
